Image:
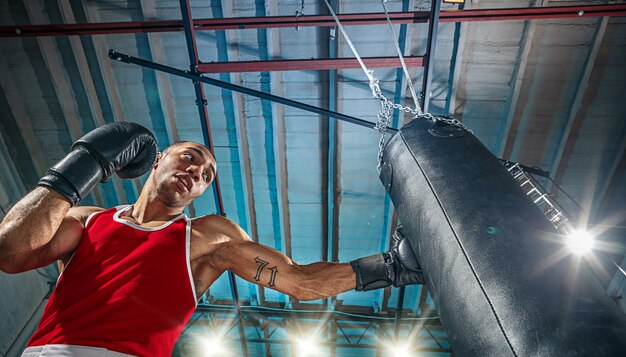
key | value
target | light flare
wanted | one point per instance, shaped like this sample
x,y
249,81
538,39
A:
x,y
579,242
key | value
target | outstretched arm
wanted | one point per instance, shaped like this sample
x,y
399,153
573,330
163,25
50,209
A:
x,y
232,249
268,267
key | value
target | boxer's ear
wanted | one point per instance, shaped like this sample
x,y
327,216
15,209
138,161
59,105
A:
x,y
156,163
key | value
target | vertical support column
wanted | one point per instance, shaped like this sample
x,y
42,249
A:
x,y
391,218
399,313
333,169
433,25
206,131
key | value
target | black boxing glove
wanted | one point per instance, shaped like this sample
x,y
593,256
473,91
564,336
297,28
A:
x,y
126,148
398,266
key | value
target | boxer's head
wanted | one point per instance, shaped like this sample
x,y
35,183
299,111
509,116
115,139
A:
x,y
183,171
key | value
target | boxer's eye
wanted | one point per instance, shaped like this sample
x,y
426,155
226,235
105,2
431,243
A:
x,y
189,156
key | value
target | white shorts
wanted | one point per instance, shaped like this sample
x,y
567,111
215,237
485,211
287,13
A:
x,y
70,351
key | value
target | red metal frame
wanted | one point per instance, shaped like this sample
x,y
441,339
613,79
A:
x,y
535,13
308,64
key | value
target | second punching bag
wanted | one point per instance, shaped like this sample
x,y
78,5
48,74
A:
x,y
498,271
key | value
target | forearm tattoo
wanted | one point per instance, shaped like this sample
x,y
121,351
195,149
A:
x,y
262,264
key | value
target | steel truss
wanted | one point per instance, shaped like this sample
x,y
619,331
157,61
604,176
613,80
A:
x,y
332,328
411,17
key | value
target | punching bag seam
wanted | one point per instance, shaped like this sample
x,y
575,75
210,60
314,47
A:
x,y
458,242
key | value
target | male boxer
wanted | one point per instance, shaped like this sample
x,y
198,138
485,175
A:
x,y
132,274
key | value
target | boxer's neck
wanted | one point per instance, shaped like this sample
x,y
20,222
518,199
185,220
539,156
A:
x,y
149,208
145,212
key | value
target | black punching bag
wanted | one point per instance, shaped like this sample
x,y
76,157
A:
x,y
498,271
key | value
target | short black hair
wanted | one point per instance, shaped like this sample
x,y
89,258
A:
x,y
181,142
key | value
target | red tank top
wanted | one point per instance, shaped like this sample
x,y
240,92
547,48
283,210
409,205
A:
x,y
126,288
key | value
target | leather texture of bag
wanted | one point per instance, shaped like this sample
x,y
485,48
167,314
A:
x,y
499,272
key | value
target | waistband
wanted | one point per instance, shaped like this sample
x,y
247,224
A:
x,y
70,351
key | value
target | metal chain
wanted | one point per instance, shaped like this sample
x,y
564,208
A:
x,y
386,113
299,13
384,120
451,121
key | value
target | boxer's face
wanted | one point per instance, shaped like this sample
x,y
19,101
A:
x,y
183,173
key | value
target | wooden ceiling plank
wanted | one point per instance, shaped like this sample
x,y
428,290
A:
x,y
578,98
87,79
110,84
59,77
516,82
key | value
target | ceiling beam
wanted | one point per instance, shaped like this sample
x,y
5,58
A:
x,y
239,23
607,178
108,77
581,87
60,79
87,80
512,149
517,79
307,64
12,188
148,10
22,119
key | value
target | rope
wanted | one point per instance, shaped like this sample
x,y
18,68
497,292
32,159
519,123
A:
x,y
404,67
387,106
369,73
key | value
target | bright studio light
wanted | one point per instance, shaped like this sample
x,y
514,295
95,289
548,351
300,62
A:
x,y
306,346
400,351
397,349
579,242
214,346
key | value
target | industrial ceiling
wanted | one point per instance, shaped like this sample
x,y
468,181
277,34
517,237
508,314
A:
x,y
539,82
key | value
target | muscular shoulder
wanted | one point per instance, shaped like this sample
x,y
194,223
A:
x,y
217,229
81,213
209,232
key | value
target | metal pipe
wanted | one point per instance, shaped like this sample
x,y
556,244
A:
x,y
399,313
307,64
196,77
433,26
425,318
351,345
238,23
201,102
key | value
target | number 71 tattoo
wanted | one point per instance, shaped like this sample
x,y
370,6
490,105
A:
x,y
262,264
